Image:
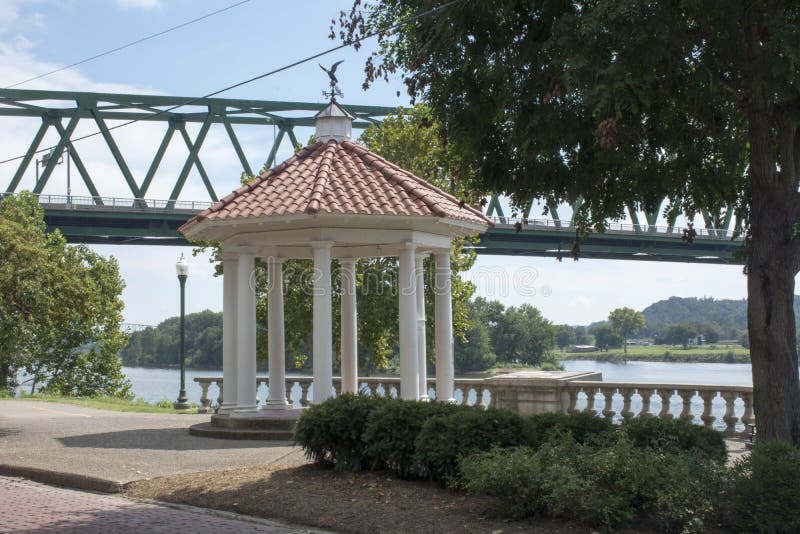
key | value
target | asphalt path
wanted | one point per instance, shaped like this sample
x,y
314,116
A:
x,y
103,450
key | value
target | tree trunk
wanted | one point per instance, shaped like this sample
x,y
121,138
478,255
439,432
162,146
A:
x,y
5,376
771,327
771,269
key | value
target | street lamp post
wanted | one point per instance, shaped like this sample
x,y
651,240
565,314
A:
x,y
182,267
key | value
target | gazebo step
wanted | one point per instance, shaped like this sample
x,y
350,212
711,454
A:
x,y
209,430
279,420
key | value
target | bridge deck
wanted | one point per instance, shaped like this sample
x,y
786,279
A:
x,y
106,220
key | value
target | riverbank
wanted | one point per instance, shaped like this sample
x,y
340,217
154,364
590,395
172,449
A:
x,y
662,353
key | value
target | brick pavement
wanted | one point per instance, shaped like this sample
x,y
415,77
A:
x,y
31,507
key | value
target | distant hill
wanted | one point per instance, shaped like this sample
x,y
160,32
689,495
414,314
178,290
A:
x,y
730,315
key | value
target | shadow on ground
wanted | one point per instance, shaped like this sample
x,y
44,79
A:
x,y
168,439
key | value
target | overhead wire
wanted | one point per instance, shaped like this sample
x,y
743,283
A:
x,y
254,78
128,45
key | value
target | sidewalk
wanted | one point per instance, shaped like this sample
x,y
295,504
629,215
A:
x,y
102,450
27,506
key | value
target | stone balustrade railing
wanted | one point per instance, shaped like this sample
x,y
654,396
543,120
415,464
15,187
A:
x,y
470,391
728,409
725,408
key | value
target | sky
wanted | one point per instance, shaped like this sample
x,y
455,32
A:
x,y
37,36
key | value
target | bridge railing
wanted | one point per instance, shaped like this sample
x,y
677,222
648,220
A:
x,y
147,205
613,227
728,409
118,204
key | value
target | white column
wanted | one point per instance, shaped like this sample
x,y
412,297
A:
x,y
409,360
246,337
445,374
349,322
323,322
230,387
275,336
421,347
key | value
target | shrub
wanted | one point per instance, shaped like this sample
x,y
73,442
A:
x,y
676,435
392,431
606,487
332,431
444,440
525,481
762,492
581,427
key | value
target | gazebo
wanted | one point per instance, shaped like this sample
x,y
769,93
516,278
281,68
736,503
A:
x,y
334,199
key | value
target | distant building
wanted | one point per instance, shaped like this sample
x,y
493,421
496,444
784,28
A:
x,y
583,348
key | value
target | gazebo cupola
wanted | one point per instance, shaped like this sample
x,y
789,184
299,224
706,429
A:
x,y
334,123
333,200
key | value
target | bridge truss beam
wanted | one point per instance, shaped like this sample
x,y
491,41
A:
x,y
54,108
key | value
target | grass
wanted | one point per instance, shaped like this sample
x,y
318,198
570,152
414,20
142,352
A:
x,y
108,403
663,353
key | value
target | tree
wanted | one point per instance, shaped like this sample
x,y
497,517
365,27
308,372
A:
x,y
60,308
626,321
474,352
523,335
624,104
679,334
565,336
581,336
606,337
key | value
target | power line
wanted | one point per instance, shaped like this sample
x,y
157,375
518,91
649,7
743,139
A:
x,y
254,78
132,43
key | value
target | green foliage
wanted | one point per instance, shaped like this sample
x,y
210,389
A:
x,y
675,435
565,336
474,352
626,321
606,337
624,104
581,427
332,431
523,335
678,334
391,433
411,138
117,404
606,487
763,494
444,440
60,308
159,346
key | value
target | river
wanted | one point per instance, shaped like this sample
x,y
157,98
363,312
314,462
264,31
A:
x,y
154,385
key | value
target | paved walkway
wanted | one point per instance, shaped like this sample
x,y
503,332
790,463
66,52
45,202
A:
x,y
102,450
28,507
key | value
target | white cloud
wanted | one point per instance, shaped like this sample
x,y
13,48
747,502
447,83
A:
x,y
138,4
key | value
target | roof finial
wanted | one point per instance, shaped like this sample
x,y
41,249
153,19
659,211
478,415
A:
x,y
335,91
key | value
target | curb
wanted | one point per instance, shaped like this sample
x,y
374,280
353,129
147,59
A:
x,y
67,480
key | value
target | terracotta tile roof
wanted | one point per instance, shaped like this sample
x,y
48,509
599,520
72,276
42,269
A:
x,y
341,178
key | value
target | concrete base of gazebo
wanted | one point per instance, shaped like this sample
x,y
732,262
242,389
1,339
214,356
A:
x,y
273,425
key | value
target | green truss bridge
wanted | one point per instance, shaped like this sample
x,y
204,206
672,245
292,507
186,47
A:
x,y
134,218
